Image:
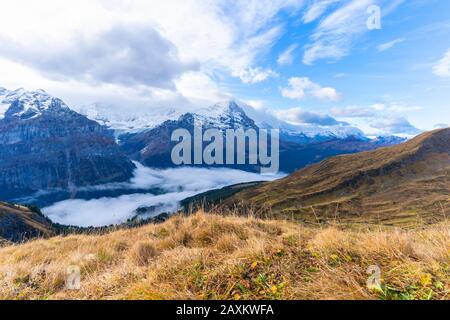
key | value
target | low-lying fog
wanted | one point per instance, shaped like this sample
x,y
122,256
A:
x,y
178,184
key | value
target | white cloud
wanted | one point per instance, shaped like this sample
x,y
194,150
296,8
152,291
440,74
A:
x,y
178,184
335,34
127,55
255,104
353,112
299,116
300,88
286,57
108,211
316,9
200,89
388,45
395,125
387,117
388,108
442,67
222,37
253,75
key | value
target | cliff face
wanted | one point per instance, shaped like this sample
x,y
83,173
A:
x,y
153,147
44,144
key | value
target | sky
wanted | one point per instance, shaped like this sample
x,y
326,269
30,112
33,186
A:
x,y
293,57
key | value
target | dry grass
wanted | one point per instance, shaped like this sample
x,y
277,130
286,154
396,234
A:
x,y
214,257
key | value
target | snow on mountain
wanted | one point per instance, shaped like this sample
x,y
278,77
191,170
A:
x,y
122,120
227,115
44,146
30,103
220,115
264,119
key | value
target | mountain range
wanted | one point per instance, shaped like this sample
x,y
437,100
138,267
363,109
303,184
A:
x,y
299,145
45,145
406,185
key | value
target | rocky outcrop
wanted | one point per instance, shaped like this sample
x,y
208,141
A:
x,y
45,145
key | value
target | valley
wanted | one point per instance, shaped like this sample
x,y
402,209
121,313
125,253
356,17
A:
x,y
52,156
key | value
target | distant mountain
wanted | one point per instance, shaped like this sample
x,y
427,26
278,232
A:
x,y
405,185
299,145
153,147
45,145
123,119
18,223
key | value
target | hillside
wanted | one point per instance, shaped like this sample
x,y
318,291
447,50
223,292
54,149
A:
x,y
214,257
19,223
404,185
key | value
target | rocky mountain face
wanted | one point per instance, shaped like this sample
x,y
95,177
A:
x,y
406,185
299,146
153,147
45,145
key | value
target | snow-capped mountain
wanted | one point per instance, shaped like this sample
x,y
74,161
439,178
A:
x,y
218,116
123,120
45,145
26,104
298,147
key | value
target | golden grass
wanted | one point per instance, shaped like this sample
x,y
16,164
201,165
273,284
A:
x,y
207,256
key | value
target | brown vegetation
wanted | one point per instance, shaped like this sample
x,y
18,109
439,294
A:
x,y
405,185
207,256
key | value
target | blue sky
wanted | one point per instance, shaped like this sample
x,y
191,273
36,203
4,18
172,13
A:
x,y
415,36
285,56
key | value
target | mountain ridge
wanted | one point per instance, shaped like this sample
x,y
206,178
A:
x,y
44,144
395,184
19,223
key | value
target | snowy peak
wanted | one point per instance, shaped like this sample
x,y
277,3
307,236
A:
x,y
121,119
265,119
27,104
224,115
221,108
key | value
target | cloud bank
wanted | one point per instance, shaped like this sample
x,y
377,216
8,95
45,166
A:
x,y
300,116
178,184
127,55
159,52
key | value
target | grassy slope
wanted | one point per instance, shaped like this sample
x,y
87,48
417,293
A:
x,y
20,223
213,257
404,185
